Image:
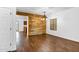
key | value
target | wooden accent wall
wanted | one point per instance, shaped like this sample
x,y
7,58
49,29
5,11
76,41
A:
x,y
36,23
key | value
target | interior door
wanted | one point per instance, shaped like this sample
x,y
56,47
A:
x,y
5,29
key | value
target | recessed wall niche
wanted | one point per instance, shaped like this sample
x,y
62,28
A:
x,y
53,24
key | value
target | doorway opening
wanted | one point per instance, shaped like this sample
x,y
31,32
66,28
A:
x,y
21,30
21,23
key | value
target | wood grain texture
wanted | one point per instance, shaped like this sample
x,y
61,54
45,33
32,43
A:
x,y
28,14
36,25
45,43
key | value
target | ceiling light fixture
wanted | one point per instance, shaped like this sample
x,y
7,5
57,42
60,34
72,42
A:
x,y
45,14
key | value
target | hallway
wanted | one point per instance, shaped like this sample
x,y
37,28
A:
x,y
45,43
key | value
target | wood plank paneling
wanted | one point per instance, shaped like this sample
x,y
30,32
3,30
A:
x,y
28,14
37,25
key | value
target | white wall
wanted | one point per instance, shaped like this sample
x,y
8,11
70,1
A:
x,y
21,20
67,24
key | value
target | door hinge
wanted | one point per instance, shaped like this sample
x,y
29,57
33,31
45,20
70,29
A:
x,y
10,13
10,28
10,44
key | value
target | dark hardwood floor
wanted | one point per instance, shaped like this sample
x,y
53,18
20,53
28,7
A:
x,y
44,43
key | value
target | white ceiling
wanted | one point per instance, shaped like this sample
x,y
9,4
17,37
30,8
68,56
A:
x,y
40,10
